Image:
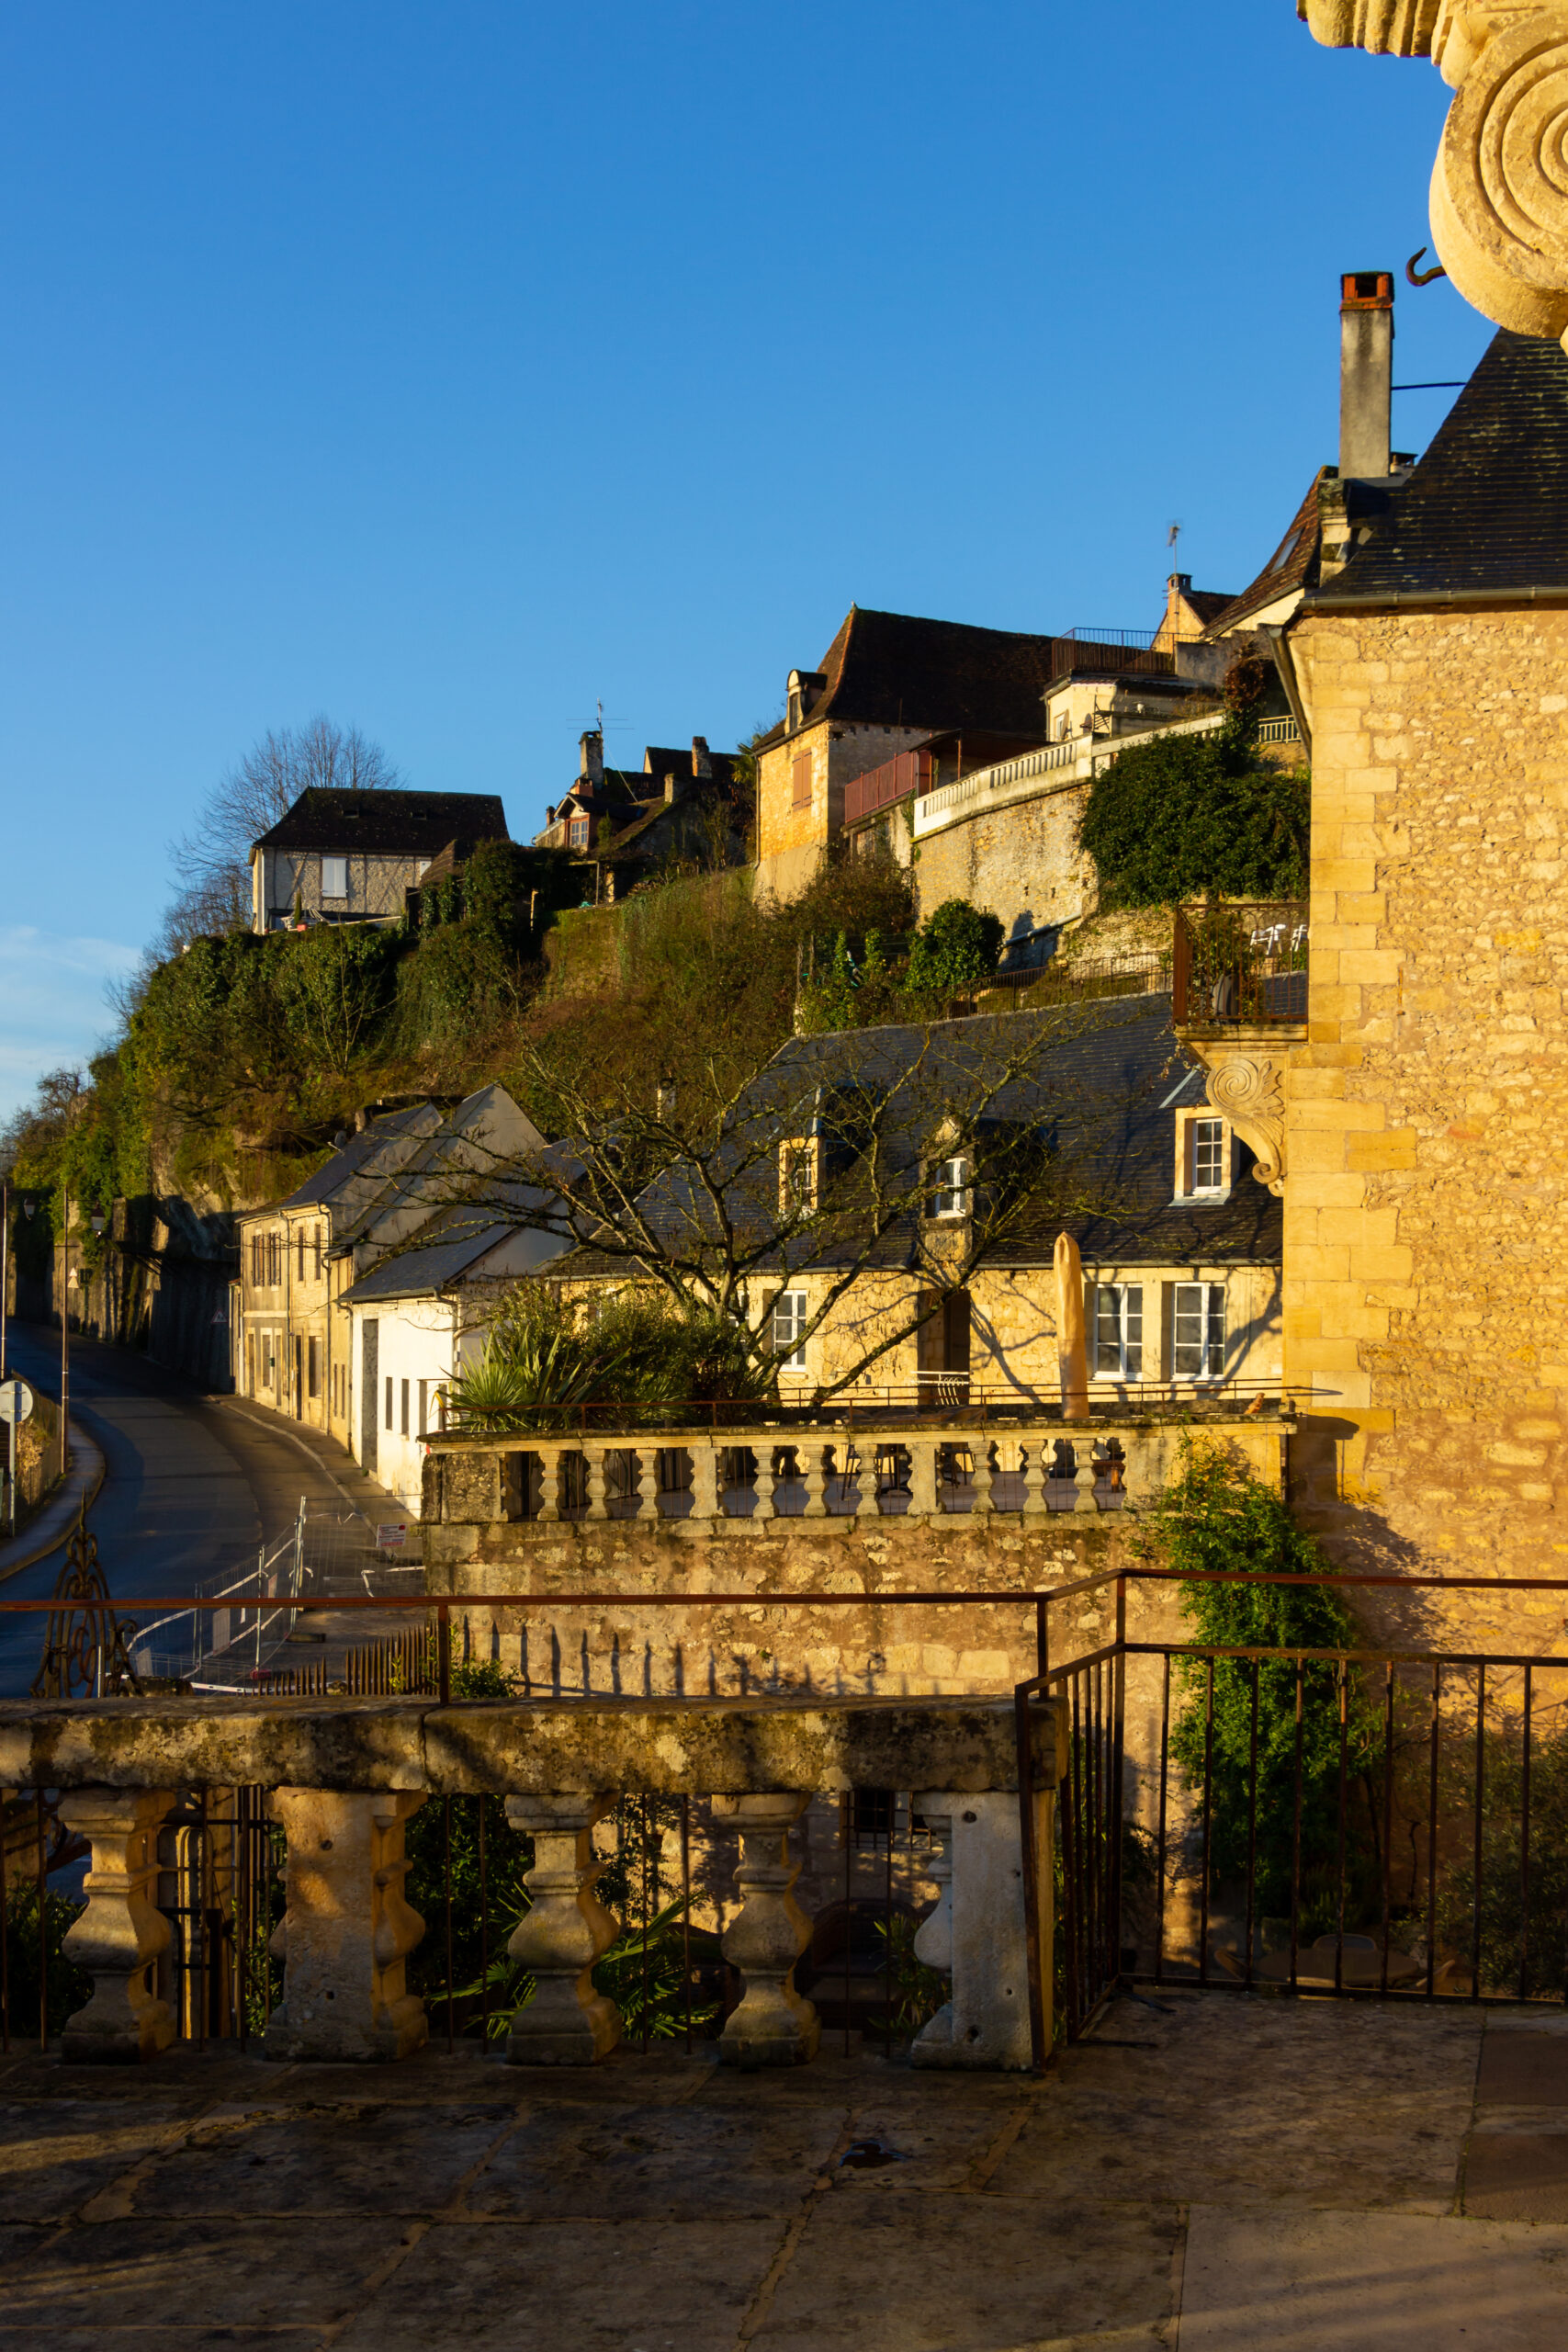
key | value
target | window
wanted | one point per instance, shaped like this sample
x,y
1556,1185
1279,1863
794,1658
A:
x,y
580,832
316,1245
299,1254
389,1400
405,1406
334,878
798,1173
312,1370
1208,1155
423,1406
250,1366
1198,1331
789,1323
950,1189
800,780
1118,1331
255,1261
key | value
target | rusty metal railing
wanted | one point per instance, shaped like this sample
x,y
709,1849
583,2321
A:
x,y
1240,963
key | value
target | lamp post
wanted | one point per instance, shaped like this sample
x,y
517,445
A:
x,y
64,1317
5,1262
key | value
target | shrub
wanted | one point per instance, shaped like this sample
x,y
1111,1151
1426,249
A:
x,y
1190,814
955,949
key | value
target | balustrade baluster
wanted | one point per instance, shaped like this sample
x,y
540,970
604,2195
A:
x,y
763,1456
567,2023
813,1457
1084,1479
704,1479
922,1476
595,1458
775,2025
1034,1503
980,1478
550,1481
122,1932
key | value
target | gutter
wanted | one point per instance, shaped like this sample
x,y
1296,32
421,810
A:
x,y
1414,600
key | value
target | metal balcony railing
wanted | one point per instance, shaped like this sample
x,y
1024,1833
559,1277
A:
x,y
1240,963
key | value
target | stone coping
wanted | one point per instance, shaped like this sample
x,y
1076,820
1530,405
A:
x,y
702,1747
1005,1420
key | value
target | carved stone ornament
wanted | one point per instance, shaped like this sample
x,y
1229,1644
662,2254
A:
x,y
559,1939
1248,1089
1500,184
775,2025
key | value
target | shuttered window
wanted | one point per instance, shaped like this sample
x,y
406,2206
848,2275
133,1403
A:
x,y
800,779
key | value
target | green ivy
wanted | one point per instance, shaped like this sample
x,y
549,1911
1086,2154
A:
x,y
1188,815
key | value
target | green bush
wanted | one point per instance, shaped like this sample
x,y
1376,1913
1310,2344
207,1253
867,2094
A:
x,y
1186,816
542,1355
954,950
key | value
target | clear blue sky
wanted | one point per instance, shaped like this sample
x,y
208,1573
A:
x,y
447,367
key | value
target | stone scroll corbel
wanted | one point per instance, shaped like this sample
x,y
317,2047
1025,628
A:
x,y
1249,1091
1499,195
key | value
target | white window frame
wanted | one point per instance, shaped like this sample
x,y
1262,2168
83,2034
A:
x,y
949,1188
798,1169
1206,1303
1118,1315
1203,1132
789,1318
334,878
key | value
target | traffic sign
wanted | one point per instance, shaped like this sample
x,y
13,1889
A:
x,y
16,1401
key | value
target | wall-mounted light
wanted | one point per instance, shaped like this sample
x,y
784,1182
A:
x,y
98,1220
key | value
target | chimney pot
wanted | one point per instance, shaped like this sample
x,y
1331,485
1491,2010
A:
x,y
591,756
701,764
1366,374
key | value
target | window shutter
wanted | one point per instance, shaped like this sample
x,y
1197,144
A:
x,y
800,779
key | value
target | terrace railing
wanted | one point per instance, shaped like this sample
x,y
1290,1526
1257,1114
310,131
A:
x,y
1240,965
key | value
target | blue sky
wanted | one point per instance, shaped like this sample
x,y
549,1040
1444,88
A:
x,y
451,368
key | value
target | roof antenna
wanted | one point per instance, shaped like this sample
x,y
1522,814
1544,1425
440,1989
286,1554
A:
x,y
1171,536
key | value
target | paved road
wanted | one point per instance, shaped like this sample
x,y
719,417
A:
x,y
194,1486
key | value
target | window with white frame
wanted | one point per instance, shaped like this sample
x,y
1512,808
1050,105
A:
x,y
949,1195
797,1172
1197,1331
1118,1331
334,878
1208,1150
789,1326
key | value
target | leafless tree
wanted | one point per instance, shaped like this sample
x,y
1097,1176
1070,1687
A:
x,y
213,859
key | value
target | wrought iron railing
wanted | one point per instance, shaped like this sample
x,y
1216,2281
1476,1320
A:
x,y
1240,963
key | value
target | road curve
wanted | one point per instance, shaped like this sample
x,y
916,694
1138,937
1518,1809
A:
x,y
193,1488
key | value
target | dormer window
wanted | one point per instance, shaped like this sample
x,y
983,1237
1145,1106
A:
x,y
1205,1162
950,1190
798,1176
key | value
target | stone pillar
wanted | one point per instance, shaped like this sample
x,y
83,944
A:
x,y
704,1479
922,1476
550,1481
346,1932
775,2025
595,1458
811,1461
980,1476
121,1933
567,2023
986,2022
1084,1477
763,1456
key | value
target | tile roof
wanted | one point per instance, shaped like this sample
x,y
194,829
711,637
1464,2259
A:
x,y
1293,564
1486,509
398,824
1208,602
896,670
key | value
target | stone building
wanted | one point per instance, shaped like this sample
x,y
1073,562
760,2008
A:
x,y
340,855
679,808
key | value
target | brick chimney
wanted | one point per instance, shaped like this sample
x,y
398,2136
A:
x,y
1366,374
701,764
591,756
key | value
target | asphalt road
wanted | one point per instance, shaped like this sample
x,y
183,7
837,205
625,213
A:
x,y
193,1486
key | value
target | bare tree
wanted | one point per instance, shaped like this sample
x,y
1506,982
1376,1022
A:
x,y
212,858
892,1164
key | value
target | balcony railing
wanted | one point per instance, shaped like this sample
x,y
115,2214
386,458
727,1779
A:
x,y
896,779
1240,965
1125,650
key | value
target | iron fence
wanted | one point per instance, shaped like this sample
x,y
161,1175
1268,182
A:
x,y
1241,962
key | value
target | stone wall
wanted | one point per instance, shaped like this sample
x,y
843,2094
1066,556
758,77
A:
x,y
1021,862
1426,1210
791,841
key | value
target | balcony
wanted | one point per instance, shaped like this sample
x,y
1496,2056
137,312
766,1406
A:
x,y
1240,966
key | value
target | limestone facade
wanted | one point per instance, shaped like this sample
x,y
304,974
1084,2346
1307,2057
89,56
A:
x,y
1426,1213
800,793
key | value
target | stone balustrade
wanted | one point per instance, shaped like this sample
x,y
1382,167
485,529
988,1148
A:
x,y
344,1777
1035,1471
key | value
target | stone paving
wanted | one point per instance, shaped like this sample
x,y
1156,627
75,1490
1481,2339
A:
x,y
1212,2175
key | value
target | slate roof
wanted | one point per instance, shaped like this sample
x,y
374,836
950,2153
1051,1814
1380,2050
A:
x,y
395,824
353,1158
1486,509
455,1239
1105,1091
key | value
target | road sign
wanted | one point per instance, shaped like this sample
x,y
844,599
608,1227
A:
x,y
16,1401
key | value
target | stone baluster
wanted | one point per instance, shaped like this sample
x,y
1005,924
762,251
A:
x,y
763,1455
704,1479
639,1486
347,1931
550,1481
979,1923
775,2025
980,1476
812,1458
1084,1479
922,1476
121,1933
594,1456
567,2023
1034,1503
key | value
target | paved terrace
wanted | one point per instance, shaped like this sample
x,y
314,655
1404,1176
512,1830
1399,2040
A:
x,y
1217,2175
